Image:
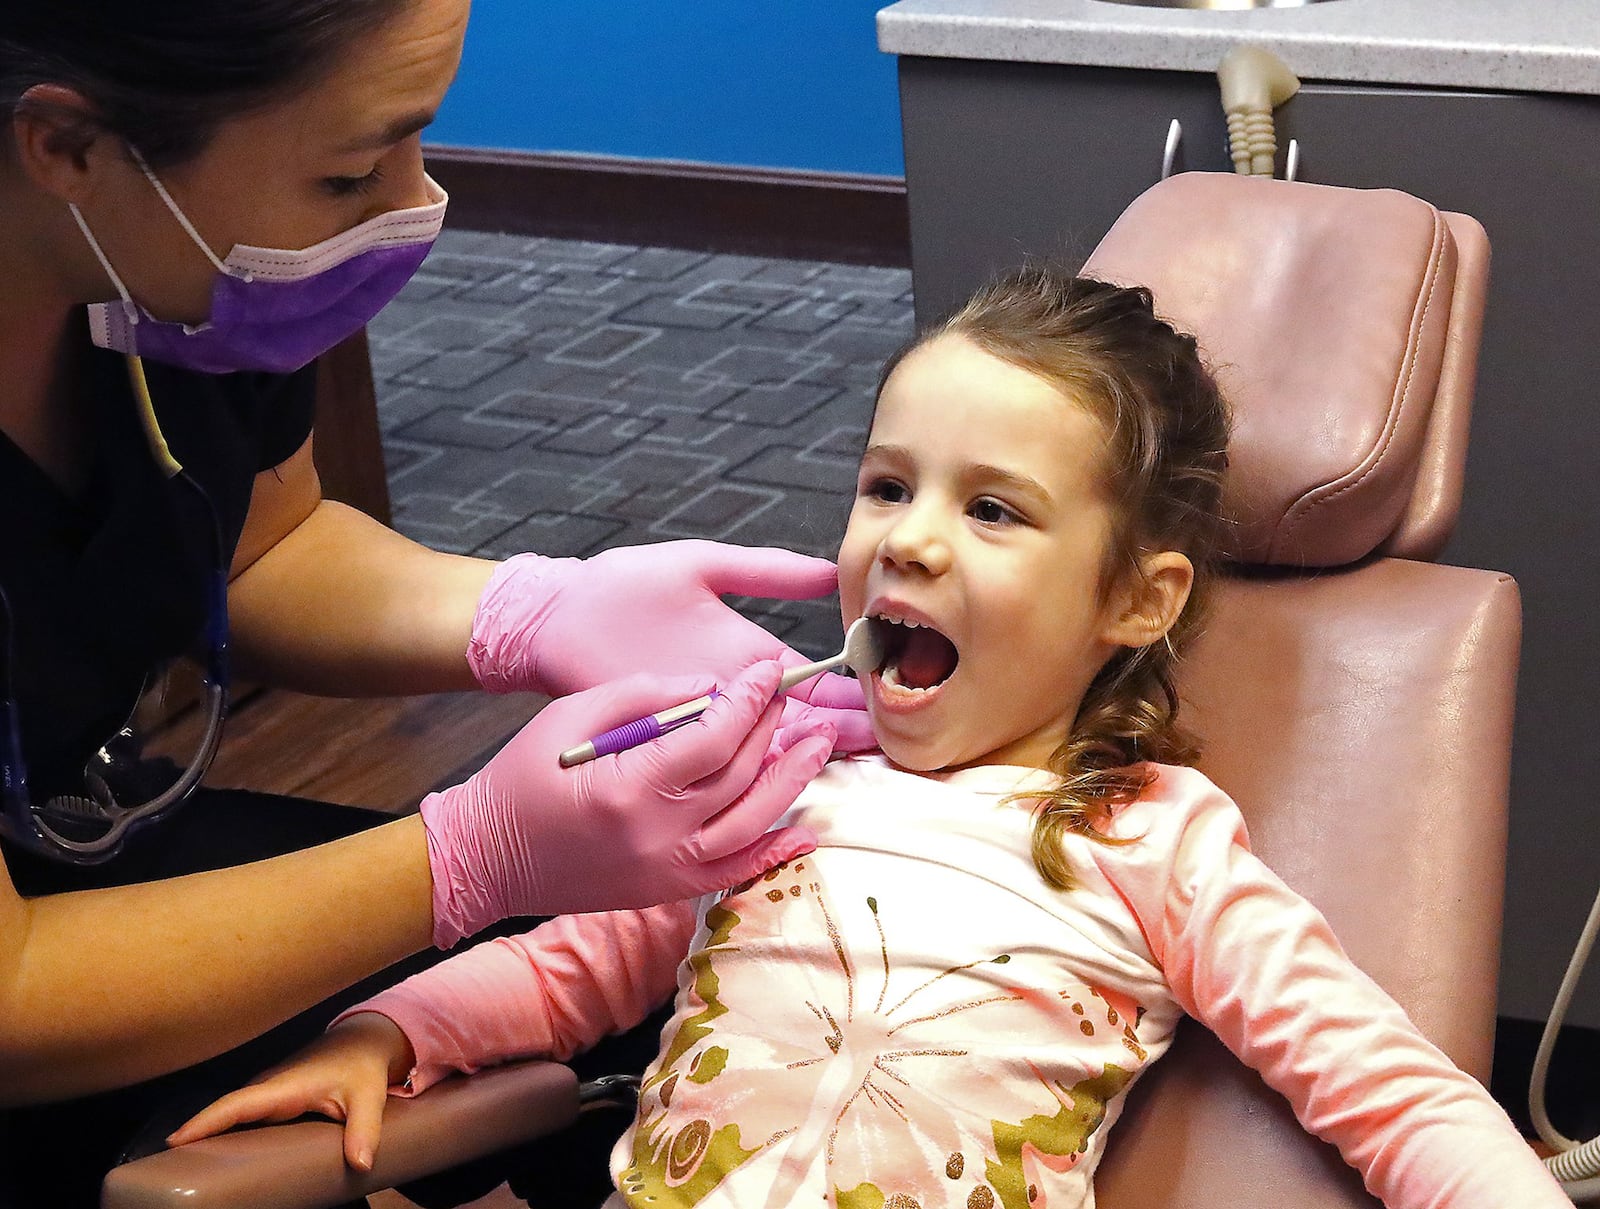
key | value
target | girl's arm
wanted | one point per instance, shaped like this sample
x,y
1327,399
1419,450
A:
x,y
549,993
324,599
101,988
1260,967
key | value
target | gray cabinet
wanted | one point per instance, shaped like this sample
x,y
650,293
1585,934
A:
x,y
1006,159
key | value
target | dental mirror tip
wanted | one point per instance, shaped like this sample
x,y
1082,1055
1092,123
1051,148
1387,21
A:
x,y
863,652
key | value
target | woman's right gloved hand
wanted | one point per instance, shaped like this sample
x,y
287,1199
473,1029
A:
x,y
676,817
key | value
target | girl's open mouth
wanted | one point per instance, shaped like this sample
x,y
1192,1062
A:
x,y
917,658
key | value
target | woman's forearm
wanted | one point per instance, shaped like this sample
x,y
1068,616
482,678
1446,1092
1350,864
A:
x,y
343,606
103,988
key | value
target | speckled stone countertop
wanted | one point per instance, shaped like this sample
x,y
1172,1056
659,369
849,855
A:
x,y
1504,45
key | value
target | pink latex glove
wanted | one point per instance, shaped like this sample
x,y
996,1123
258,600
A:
x,y
679,816
557,625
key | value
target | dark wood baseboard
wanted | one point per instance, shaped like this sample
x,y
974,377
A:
x,y
852,219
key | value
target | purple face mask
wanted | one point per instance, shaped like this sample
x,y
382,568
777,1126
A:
x,y
274,310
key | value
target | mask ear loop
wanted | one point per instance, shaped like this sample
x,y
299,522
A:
x,y
129,307
188,227
177,212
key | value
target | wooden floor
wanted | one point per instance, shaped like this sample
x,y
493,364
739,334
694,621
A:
x,y
384,753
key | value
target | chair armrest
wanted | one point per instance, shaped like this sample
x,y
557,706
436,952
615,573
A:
x,y
301,1165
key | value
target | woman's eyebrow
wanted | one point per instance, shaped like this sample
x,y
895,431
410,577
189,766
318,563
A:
x,y
400,128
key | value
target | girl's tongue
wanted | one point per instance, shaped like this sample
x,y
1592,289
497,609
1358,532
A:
x,y
924,657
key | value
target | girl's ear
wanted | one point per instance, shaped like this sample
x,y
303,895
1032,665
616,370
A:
x,y
1152,600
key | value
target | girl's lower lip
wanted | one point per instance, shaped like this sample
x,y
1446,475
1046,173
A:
x,y
895,701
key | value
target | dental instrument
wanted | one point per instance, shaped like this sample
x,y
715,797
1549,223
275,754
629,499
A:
x,y
862,653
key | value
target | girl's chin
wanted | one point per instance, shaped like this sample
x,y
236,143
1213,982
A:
x,y
917,754
948,753
915,763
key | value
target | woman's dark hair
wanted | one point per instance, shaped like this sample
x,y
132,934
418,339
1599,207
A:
x,y
164,74
1103,347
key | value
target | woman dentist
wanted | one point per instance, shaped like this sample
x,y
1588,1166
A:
x,y
196,199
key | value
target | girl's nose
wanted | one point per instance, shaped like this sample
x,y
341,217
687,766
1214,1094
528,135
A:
x,y
916,542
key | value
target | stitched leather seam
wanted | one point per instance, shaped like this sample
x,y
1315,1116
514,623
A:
x,y
1315,498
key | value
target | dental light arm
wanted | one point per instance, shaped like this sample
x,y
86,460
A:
x,y
1254,83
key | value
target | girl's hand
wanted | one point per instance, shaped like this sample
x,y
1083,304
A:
x,y
560,625
344,1075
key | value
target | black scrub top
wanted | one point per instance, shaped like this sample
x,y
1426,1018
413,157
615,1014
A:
x,y
105,587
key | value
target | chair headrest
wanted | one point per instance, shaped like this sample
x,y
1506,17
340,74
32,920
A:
x,y
1342,325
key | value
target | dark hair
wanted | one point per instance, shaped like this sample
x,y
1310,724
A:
x,y
1167,437
164,74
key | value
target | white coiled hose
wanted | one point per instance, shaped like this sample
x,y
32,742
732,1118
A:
x,y
1577,1165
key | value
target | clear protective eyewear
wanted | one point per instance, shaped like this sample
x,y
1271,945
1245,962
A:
x,y
155,760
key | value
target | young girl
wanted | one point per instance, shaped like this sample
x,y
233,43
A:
x,y
1009,910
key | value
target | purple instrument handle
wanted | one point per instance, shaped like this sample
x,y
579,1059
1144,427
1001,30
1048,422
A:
x,y
623,737
640,730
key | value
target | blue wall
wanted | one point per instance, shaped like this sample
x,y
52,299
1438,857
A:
x,y
790,84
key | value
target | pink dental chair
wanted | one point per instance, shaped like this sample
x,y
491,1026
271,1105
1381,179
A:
x,y
1355,698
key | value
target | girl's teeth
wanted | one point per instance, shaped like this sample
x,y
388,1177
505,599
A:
x,y
910,625
891,677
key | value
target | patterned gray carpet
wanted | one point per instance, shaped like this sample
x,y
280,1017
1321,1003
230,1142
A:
x,y
565,397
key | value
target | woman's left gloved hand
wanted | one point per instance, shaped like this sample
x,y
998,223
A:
x,y
560,625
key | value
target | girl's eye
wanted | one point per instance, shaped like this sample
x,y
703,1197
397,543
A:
x,y
348,186
886,491
991,512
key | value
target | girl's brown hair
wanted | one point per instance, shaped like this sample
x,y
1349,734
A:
x,y
1167,438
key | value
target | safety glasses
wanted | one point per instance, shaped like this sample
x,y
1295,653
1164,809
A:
x,y
155,759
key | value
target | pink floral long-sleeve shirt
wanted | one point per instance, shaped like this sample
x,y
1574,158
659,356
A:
x,y
911,1015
